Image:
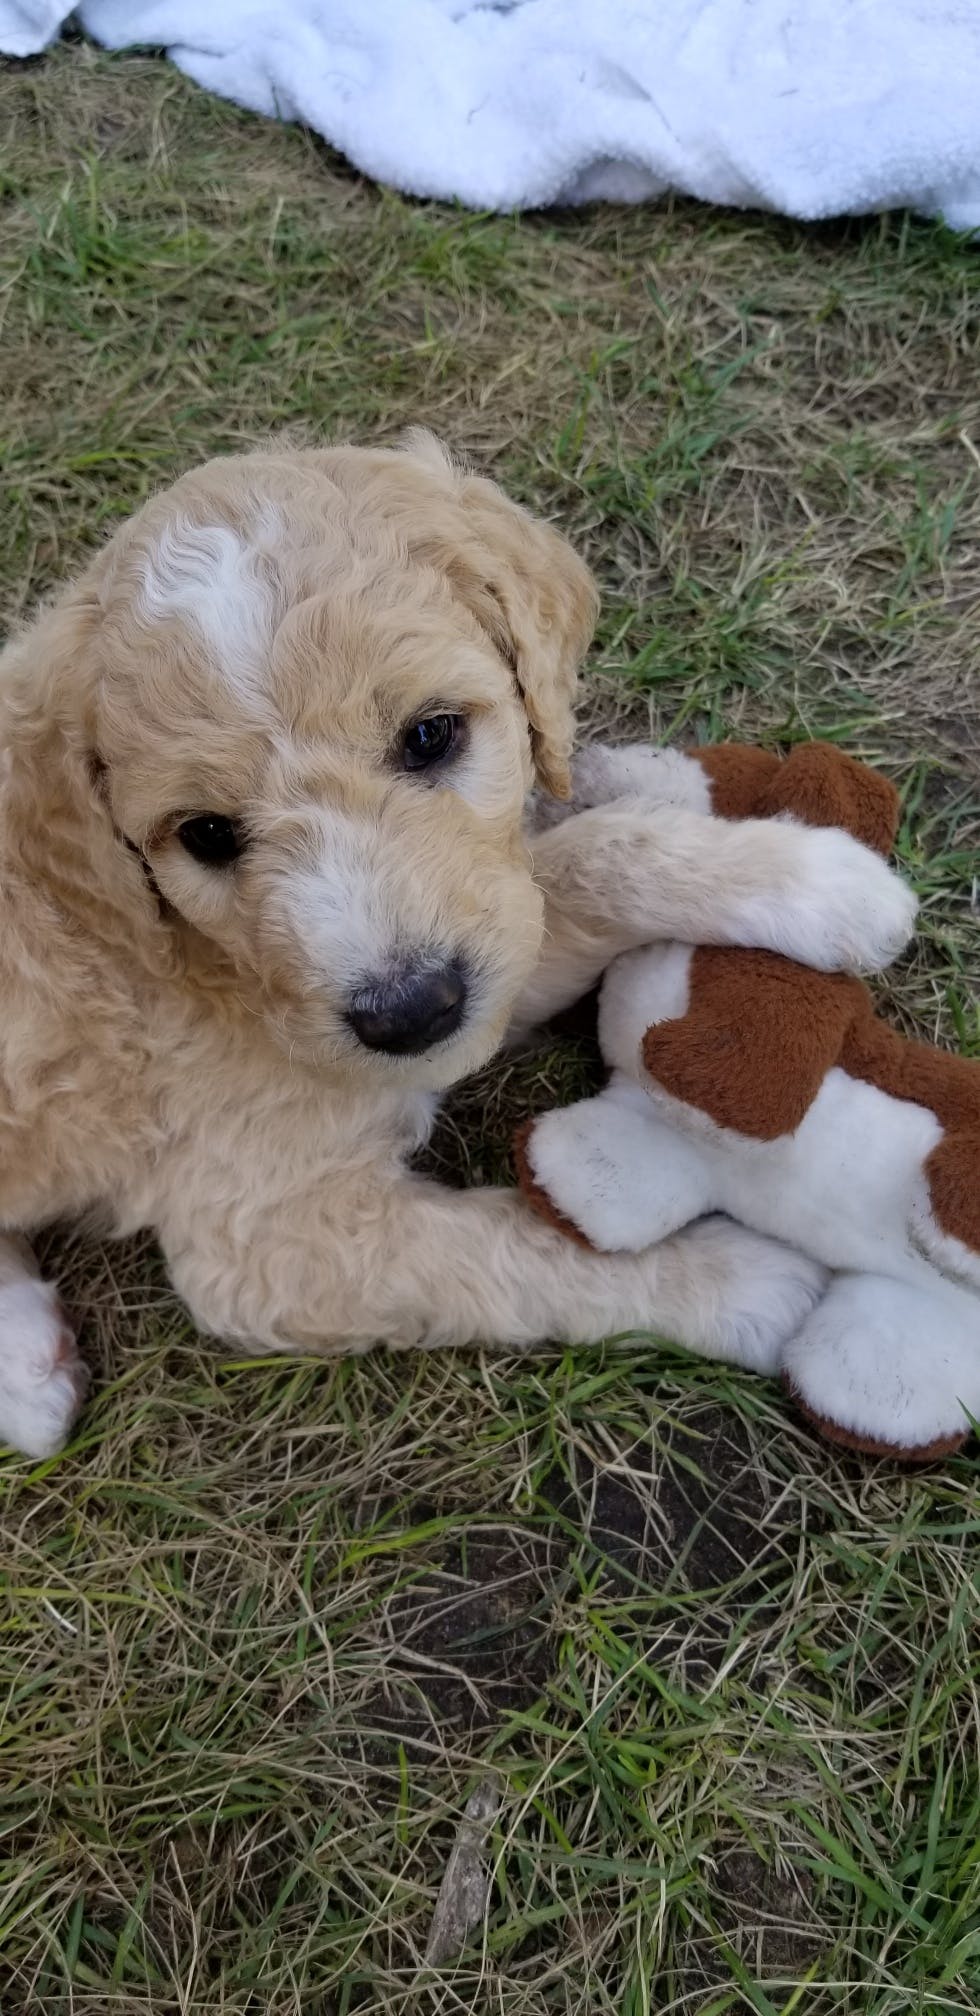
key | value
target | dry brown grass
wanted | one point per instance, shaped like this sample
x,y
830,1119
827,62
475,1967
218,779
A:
x,y
266,1625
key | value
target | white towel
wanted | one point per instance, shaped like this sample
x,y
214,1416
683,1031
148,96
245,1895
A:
x,y
816,108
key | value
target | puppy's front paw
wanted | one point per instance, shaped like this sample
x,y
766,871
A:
x,y
42,1378
853,914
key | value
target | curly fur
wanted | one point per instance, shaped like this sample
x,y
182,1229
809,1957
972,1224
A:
x,y
175,1051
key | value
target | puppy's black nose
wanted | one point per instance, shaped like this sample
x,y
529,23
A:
x,y
411,1010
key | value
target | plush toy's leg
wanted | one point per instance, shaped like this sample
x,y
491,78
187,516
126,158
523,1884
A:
x,y
947,1221
615,1172
889,1368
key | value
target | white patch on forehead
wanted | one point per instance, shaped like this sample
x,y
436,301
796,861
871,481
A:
x,y
205,576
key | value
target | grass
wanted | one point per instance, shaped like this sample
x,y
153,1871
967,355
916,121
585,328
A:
x,y
266,1625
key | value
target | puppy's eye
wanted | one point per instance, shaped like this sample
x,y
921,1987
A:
x,y
430,741
211,839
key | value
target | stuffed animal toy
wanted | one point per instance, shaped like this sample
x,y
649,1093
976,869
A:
x,y
744,1083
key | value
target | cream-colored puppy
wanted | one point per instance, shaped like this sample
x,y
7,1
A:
x,y
267,888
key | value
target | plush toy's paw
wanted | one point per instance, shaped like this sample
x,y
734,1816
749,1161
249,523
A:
x,y
610,1171
603,774
42,1378
767,1291
853,914
888,1368
534,1191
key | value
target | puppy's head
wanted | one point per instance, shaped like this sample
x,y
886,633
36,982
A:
x,y
323,683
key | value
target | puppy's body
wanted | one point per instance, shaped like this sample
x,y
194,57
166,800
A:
x,y
242,1050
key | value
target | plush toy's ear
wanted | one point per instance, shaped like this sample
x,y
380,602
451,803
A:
x,y
819,784
522,581
757,1041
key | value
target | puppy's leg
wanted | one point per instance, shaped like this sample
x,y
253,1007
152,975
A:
x,y
42,1378
625,874
429,1267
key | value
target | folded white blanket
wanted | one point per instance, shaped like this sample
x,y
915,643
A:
x,y
812,107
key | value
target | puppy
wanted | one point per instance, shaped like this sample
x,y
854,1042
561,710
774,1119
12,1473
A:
x,y
267,889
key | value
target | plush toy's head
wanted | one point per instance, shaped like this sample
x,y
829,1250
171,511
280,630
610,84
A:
x,y
817,783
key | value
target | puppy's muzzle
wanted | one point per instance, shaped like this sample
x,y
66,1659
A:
x,y
408,1011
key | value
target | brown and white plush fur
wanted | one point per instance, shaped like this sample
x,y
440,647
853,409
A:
x,y
174,1040
745,1083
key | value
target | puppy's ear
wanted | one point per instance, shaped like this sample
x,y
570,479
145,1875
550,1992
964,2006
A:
x,y
524,584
